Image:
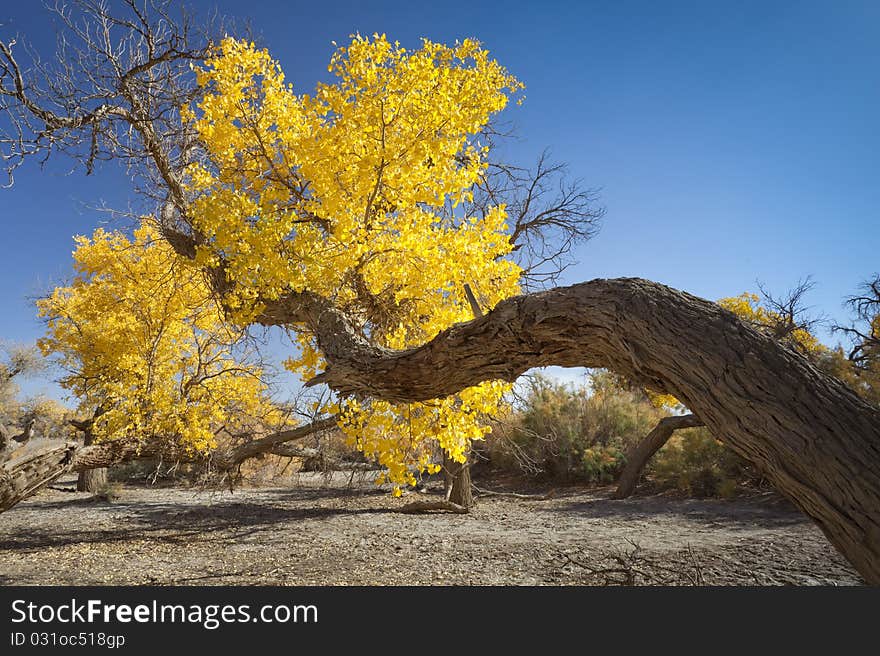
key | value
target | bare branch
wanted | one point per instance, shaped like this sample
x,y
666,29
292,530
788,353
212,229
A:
x,y
789,314
417,507
113,92
271,442
864,332
550,212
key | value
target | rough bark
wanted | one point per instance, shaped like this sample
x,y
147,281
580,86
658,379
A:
x,y
270,443
457,482
807,433
91,480
26,470
641,453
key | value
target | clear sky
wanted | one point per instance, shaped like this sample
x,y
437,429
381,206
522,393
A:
x,y
732,142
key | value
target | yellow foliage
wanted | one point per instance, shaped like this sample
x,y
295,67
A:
x,y
662,400
354,192
747,306
140,337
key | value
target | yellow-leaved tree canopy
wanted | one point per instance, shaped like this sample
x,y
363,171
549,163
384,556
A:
x,y
359,192
144,343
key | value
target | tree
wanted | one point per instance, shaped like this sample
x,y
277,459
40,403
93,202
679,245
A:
x,y
244,147
16,421
297,207
145,348
23,419
147,351
18,362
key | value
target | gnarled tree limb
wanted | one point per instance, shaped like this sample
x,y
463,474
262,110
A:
x,y
270,443
26,470
806,432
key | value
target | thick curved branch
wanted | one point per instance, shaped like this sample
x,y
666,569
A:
x,y
808,433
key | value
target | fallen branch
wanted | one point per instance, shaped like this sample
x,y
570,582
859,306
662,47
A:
x,y
634,567
416,507
516,495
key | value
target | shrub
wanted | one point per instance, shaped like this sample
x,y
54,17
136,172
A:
x,y
696,463
582,434
108,492
571,433
602,464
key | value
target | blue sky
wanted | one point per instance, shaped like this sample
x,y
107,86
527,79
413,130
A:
x,y
732,142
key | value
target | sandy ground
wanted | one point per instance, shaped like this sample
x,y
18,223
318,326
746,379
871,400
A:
x,y
320,533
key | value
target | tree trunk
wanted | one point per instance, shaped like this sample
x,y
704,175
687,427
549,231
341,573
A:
x,y
91,480
807,433
457,482
641,453
27,469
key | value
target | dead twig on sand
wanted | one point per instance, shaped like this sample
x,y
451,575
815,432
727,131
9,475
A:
x,y
416,507
516,495
634,567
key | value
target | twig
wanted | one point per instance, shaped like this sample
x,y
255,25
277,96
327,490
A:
x,y
516,495
416,507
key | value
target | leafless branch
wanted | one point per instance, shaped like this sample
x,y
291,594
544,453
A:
x,y
417,507
864,331
789,313
113,92
550,214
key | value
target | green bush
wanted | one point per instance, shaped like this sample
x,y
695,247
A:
x,y
580,434
602,464
571,434
696,463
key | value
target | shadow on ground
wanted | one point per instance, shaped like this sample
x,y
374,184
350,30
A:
x,y
743,513
177,522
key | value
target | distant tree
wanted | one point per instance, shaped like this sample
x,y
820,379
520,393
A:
x,y
17,362
860,367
